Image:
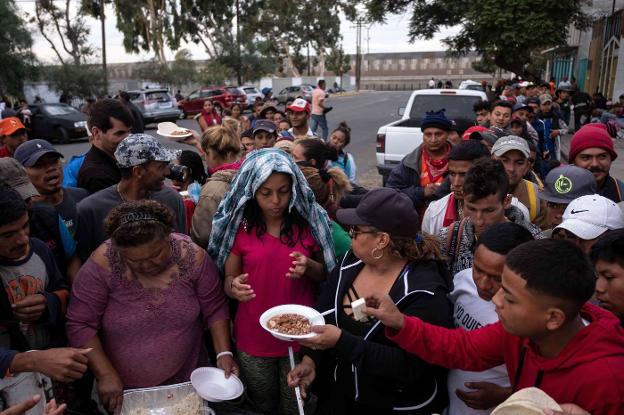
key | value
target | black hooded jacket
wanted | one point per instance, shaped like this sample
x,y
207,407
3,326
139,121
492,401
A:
x,y
372,370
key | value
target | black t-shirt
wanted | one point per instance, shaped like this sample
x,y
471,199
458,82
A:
x,y
44,225
67,208
98,171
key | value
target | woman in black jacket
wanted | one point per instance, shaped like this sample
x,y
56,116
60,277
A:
x,y
369,373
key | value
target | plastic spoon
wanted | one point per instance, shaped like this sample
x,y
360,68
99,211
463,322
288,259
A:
x,y
297,388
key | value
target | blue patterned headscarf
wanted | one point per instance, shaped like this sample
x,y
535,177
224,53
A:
x,y
255,170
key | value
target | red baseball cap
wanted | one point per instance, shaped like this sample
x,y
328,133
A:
x,y
299,105
10,125
475,128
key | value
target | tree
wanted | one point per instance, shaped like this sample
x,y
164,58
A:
x,y
289,26
505,33
227,32
253,37
67,34
150,25
70,80
214,73
177,73
338,62
15,55
71,30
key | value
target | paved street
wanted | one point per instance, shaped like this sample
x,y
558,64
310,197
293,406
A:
x,y
364,112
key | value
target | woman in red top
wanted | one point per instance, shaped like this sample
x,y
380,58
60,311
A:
x,y
208,117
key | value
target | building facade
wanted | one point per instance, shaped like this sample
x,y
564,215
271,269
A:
x,y
382,71
593,57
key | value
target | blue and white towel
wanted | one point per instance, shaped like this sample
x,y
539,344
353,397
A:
x,y
255,170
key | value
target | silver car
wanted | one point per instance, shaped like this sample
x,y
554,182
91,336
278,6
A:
x,y
156,105
251,92
303,91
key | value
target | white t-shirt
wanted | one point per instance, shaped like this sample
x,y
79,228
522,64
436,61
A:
x,y
309,134
471,312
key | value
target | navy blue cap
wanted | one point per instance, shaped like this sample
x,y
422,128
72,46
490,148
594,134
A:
x,y
522,106
29,152
265,125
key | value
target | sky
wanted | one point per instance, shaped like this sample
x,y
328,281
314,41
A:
x,y
388,37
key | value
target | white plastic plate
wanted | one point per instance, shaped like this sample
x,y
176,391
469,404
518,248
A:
x,y
316,319
166,129
210,383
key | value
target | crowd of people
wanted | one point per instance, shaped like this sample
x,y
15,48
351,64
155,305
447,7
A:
x,y
486,264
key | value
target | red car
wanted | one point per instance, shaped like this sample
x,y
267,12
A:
x,y
221,96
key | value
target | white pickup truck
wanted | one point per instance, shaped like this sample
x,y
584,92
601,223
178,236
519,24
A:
x,y
397,139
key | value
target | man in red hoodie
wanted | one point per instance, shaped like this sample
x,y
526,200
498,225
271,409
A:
x,y
548,335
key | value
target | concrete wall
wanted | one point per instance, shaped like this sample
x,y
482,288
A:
x,y
618,86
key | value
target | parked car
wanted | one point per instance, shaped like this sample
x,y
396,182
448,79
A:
x,y
57,122
303,91
252,93
221,96
156,105
397,139
473,85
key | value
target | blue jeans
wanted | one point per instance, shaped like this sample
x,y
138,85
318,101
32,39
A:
x,y
319,120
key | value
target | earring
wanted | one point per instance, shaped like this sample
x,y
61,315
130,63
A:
x,y
377,257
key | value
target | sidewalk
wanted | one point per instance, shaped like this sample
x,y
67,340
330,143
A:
x,y
617,168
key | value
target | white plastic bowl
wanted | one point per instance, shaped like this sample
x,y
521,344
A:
x,y
166,129
210,383
316,319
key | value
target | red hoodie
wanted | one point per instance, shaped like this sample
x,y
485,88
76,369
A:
x,y
589,371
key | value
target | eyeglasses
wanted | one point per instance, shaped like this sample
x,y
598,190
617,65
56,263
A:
x,y
354,232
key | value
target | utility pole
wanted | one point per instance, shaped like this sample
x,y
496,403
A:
x,y
238,45
102,20
358,54
368,40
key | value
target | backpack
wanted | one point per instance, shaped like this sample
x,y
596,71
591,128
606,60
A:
x,y
453,242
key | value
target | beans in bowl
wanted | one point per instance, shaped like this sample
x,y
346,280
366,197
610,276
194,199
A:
x,y
291,324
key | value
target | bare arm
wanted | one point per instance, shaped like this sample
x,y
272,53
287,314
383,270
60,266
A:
x,y
220,332
73,266
109,385
236,285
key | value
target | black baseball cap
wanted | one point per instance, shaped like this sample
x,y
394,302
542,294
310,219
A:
x,y
388,210
489,136
29,152
566,183
265,125
522,106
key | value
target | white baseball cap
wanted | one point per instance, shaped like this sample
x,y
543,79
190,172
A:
x,y
590,216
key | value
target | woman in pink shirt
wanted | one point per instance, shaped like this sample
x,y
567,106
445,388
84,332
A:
x,y
274,242
142,302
